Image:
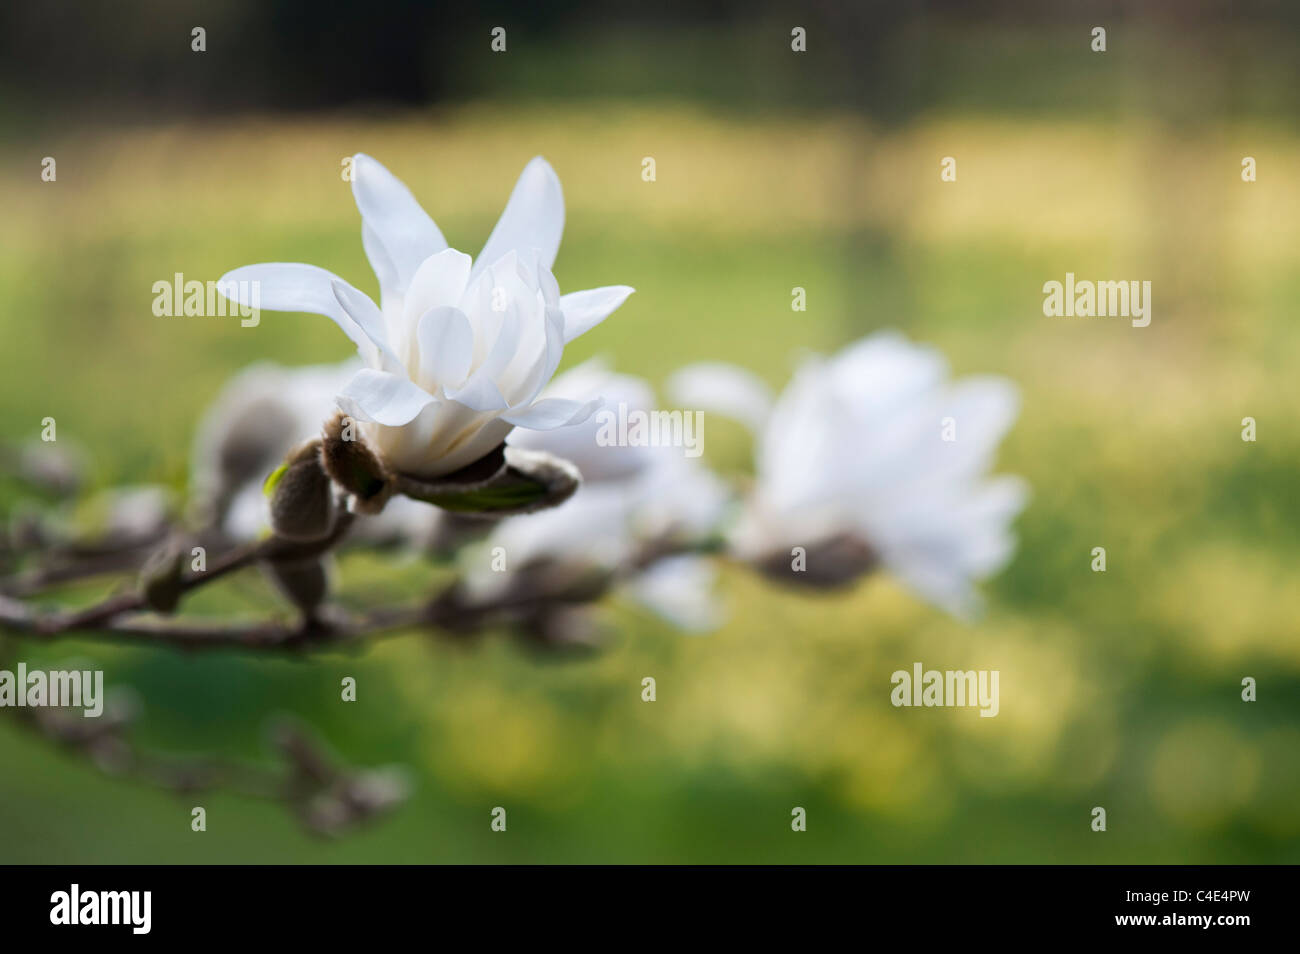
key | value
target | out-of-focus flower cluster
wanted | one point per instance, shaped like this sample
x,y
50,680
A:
x,y
852,474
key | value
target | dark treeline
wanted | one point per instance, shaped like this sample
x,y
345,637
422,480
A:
x,y
135,57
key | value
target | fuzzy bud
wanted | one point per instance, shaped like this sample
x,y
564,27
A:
x,y
161,578
835,562
304,583
301,496
354,466
508,481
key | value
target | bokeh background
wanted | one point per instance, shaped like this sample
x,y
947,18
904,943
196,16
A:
x,y
775,169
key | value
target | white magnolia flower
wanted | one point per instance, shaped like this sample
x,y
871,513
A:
x,y
855,446
261,414
459,350
630,496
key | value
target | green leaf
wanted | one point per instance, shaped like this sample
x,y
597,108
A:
x,y
273,478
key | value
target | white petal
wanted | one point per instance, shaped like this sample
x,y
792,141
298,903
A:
x,y
384,398
550,413
584,310
984,408
548,360
440,280
369,319
290,286
941,547
446,346
533,218
884,370
723,389
549,286
941,585
986,517
382,265
401,234
481,392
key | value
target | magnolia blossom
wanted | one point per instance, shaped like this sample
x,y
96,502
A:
x,y
458,350
631,496
875,446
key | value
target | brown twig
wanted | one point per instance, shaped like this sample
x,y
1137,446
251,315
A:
x,y
18,616
537,590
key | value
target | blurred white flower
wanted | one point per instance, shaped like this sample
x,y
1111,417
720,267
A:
x,y
458,351
631,497
852,463
680,590
132,513
593,380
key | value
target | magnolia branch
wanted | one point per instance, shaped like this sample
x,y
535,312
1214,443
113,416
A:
x,y
535,594
539,600
449,612
19,616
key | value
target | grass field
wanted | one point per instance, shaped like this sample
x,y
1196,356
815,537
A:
x,y
1119,689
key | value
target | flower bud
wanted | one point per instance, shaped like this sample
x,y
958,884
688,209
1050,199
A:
x,y
302,497
828,564
304,583
511,480
353,465
160,579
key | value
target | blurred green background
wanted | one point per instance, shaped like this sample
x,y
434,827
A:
x,y
1119,689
